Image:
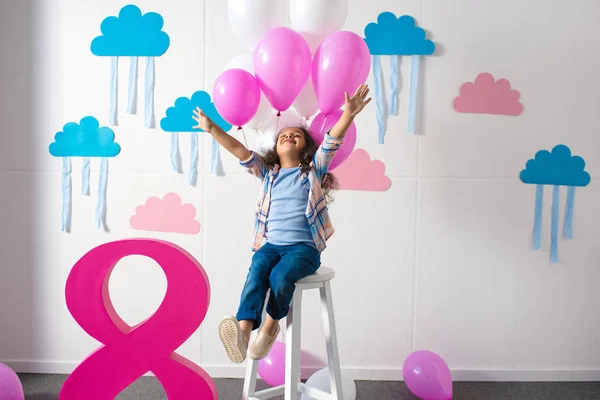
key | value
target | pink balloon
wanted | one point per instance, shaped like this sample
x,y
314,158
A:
x,y
323,123
236,95
282,63
272,368
341,64
427,376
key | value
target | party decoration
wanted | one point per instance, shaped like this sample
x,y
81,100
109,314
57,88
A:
x,y
306,102
166,215
179,119
557,168
132,35
321,380
322,124
359,172
340,64
128,352
487,96
427,376
252,19
236,96
264,110
86,139
396,37
317,19
10,385
282,63
271,368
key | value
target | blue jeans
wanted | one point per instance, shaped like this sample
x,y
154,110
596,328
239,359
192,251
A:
x,y
277,268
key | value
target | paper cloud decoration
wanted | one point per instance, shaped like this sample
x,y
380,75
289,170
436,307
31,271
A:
x,y
487,96
166,215
557,168
85,139
132,34
359,172
179,119
396,37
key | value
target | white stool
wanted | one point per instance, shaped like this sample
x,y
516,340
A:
x,y
320,280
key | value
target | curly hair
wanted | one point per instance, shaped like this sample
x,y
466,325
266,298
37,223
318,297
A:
x,y
329,182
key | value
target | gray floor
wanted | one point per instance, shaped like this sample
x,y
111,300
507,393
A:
x,y
47,387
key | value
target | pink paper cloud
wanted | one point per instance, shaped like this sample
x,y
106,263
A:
x,y
358,172
166,215
487,96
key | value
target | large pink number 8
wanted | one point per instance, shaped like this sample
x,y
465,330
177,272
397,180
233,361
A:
x,y
129,352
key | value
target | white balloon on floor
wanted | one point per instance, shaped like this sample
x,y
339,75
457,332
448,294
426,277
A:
x,y
321,380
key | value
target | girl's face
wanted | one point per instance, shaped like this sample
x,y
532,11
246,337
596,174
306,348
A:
x,y
290,140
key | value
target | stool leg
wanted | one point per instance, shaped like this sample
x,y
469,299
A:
x,y
251,373
331,340
292,347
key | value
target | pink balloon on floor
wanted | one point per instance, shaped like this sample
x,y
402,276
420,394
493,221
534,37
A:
x,y
427,376
10,385
236,96
321,124
271,369
340,64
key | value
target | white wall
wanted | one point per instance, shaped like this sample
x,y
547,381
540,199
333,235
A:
x,y
447,264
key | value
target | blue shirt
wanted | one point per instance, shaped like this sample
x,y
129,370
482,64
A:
x,y
286,222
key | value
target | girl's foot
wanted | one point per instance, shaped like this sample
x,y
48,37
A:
x,y
261,346
233,339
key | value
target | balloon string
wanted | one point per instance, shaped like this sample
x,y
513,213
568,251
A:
x,y
323,124
244,133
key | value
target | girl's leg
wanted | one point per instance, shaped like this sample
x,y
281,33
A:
x,y
297,262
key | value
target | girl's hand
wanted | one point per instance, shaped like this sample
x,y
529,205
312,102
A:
x,y
356,104
203,121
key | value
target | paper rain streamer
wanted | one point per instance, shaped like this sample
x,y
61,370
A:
x,y
396,37
87,140
179,119
556,168
132,35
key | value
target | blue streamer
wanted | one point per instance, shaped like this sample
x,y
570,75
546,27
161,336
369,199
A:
x,y
395,74
85,177
66,195
537,220
114,97
193,159
554,233
149,94
415,68
101,202
379,98
568,223
133,78
214,157
175,155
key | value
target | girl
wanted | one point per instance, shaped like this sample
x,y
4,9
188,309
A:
x,y
292,216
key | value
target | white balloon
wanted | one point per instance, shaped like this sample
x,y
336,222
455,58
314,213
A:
x,y
320,380
262,113
316,19
252,19
241,61
306,102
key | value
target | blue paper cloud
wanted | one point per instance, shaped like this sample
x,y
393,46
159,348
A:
x,y
397,36
132,34
86,139
179,117
556,168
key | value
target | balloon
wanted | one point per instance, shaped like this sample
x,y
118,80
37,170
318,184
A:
x,y
321,380
323,123
10,385
236,96
252,19
341,64
306,101
316,19
272,368
282,63
427,376
241,61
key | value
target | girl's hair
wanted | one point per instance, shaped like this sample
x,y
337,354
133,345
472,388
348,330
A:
x,y
328,182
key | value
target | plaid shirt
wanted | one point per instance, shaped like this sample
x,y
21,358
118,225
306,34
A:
x,y
316,209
